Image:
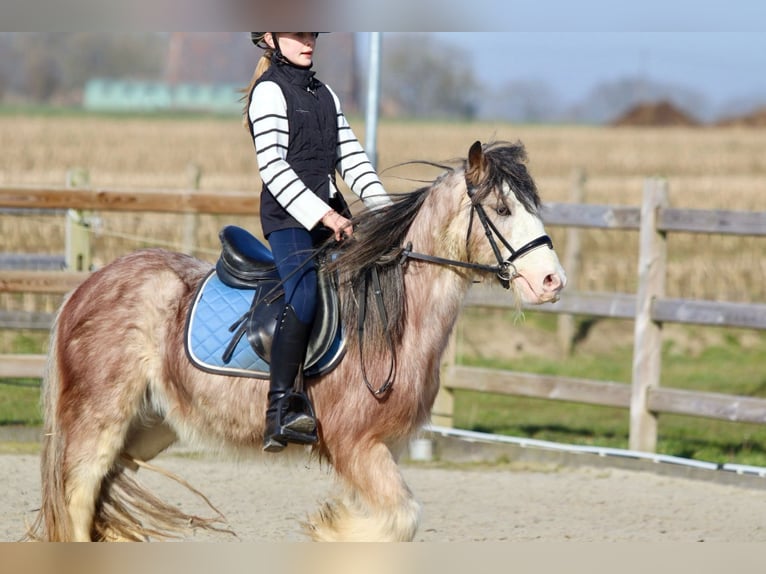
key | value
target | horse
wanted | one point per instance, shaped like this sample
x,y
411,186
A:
x,y
119,389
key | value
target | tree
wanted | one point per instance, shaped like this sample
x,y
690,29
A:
x,y
41,73
86,55
426,78
6,59
530,101
44,66
39,66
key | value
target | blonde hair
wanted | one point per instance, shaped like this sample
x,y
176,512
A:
x,y
263,64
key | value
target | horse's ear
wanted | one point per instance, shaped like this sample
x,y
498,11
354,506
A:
x,y
476,164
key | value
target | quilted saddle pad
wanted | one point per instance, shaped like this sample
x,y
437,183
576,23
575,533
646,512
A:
x,y
215,308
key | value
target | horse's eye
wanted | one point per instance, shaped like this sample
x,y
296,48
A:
x,y
503,210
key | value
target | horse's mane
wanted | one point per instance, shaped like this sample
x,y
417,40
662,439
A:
x,y
379,236
377,243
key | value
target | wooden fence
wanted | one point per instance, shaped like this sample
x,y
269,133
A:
x,y
648,307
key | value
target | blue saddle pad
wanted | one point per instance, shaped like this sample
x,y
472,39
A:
x,y
217,307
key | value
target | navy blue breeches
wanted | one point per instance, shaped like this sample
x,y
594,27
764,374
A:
x,y
292,249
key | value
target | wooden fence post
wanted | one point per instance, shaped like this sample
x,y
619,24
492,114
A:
x,y
647,341
78,255
191,220
566,323
443,411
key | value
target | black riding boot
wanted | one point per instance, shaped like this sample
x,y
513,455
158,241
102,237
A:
x,y
290,416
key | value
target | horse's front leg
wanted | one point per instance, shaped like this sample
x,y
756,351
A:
x,y
375,504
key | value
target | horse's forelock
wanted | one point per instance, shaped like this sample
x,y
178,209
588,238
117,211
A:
x,y
506,163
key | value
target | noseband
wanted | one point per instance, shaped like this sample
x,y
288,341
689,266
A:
x,y
505,270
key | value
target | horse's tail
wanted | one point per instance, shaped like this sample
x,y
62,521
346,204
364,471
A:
x,y
123,509
52,521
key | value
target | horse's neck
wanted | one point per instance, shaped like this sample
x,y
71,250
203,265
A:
x,y
435,292
438,288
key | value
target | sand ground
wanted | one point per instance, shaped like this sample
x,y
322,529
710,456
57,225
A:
x,y
265,501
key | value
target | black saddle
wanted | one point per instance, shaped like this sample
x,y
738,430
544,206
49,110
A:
x,y
246,263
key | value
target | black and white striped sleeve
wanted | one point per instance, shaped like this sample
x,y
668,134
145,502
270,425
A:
x,y
354,166
268,116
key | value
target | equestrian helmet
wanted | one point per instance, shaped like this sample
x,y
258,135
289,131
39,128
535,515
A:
x,y
257,39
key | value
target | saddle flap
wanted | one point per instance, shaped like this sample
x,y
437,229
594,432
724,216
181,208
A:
x,y
327,320
262,320
264,315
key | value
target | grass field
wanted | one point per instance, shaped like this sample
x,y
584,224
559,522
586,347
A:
x,y
694,358
706,168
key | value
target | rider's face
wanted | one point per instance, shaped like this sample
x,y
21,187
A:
x,y
296,47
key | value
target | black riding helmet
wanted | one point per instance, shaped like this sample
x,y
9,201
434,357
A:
x,y
257,38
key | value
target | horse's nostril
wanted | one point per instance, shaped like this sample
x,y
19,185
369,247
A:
x,y
552,282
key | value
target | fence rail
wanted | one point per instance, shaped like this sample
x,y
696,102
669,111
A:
x,y
648,308
623,306
668,219
643,396
104,199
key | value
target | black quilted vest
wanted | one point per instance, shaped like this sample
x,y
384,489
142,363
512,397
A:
x,y
312,120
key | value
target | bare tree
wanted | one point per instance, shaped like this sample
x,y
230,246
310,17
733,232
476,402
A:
x,y
37,66
85,55
426,78
41,71
530,101
6,59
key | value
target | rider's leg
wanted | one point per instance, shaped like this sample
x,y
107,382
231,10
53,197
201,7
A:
x,y
289,419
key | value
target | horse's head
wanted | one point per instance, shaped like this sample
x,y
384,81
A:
x,y
505,230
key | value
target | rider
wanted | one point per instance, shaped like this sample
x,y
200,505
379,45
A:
x,y
301,138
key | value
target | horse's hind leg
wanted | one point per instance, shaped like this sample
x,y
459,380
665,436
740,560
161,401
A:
x,y
376,505
89,459
96,417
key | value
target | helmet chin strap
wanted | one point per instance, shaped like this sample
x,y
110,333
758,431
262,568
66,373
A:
x,y
278,56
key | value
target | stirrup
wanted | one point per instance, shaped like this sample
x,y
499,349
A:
x,y
271,444
299,426
300,423
278,441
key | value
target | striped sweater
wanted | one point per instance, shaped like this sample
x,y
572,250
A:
x,y
305,198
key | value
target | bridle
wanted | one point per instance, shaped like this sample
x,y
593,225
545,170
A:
x,y
505,270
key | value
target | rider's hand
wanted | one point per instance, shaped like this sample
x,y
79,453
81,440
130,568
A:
x,y
340,226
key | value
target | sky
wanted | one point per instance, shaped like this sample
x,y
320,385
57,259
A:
x,y
722,66
715,48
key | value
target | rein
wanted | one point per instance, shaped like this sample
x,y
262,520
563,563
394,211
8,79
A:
x,y
372,276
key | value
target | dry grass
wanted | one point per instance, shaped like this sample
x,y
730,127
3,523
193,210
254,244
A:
x,y
706,168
